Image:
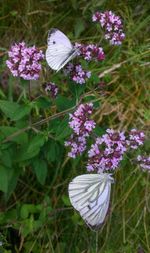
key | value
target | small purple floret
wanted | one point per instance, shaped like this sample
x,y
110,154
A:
x,y
135,139
107,151
144,162
52,89
82,127
90,52
77,145
76,73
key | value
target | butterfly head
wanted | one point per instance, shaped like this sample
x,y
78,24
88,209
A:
x,y
107,177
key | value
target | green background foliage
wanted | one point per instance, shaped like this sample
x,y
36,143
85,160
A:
x,y
35,211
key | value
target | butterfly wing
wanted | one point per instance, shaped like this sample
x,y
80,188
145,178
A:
x,y
90,194
59,50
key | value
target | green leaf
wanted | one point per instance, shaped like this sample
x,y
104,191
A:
x,y
76,218
43,102
28,226
14,111
64,103
36,142
66,200
10,215
76,90
52,151
2,94
40,168
79,27
13,179
32,149
6,158
27,209
6,131
63,130
8,179
4,179
24,212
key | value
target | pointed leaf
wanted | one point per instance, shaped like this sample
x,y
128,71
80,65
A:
x,y
14,111
40,168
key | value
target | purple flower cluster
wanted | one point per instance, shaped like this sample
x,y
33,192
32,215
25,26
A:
x,y
76,73
82,126
52,89
144,162
107,151
77,145
112,25
135,138
80,122
24,61
90,52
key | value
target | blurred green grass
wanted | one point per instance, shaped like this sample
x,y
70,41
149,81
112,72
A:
x,y
127,105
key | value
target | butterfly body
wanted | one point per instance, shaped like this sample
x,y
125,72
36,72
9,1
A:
x,y
60,50
90,194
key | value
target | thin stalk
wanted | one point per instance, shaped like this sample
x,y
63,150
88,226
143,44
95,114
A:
x,y
29,92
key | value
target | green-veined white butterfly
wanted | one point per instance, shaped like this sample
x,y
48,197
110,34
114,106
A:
x,y
90,194
60,50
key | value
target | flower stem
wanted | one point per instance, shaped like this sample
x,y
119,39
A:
x,y
29,92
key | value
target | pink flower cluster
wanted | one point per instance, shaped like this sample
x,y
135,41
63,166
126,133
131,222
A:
x,y
112,26
77,145
25,61
82,126
144,162
76,73
90,52
52,89
107,151
80,122
135,138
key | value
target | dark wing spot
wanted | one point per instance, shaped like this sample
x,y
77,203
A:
x,y
52,31
54,42
89,207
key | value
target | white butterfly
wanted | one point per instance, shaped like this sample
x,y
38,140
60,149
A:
x,y
90,194
60,50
